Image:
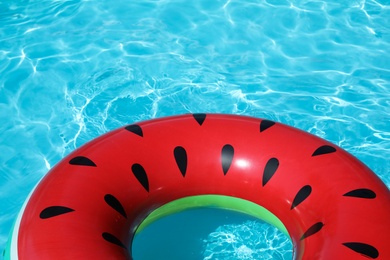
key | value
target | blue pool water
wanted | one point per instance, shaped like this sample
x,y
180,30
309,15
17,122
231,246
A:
x,y
73,70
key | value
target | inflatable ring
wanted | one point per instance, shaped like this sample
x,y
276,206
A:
x,y
92,203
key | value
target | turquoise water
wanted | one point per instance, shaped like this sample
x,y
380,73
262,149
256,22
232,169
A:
x,y
211,235
73,70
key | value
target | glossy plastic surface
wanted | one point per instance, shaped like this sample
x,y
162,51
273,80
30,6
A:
x,y
90,205
213,201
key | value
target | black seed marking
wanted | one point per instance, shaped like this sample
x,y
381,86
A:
x,y
324,150
364,249
115,204
113,239
82,161
227,157
181,159
312,230
302,194
265,124
54,211
361,193
199,118
270,169
136,129
140,174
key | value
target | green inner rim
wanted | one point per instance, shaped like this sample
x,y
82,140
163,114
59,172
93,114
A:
x,y
214,201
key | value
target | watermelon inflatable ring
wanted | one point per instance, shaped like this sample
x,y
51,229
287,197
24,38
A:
x,y
93,202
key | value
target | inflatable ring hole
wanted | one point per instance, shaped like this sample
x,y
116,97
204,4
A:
x,y
195,225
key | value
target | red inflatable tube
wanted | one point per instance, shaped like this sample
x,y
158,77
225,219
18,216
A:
x,y
90,205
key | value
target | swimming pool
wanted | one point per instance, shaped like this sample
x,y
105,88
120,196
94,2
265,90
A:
x,y
72,70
